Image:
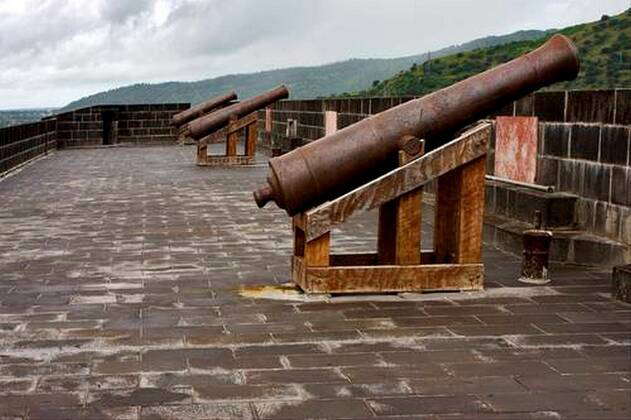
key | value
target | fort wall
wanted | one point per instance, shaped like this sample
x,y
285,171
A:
x,y
22,143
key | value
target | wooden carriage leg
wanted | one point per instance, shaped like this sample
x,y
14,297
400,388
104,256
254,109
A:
x,y
202,153
399,237
317,251
459,214
251,138
314,253
232,138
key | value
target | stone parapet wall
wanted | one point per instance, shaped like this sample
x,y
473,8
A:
x,y
21,143
93,126
128,124
592,161
608,106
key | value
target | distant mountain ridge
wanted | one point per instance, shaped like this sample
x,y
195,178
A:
x,y
303,82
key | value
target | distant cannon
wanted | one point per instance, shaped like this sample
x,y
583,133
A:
x,y
205,125
202,108
333,165
226,123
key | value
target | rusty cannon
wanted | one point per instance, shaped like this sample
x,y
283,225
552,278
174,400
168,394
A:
x,y
335,164
205,125
203,108
228,124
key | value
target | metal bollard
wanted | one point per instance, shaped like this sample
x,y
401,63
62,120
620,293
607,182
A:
x,y
534,265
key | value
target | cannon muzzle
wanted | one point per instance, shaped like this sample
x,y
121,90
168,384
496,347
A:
x,y
202,108
205,125
335,164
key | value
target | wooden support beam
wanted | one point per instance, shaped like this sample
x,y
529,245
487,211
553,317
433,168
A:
x,y
468,147
220,160
393,278
313,253
243,122
251,139
317,251
202,152
459,214
399,237
233,137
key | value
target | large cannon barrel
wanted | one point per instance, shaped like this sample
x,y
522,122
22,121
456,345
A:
x,y
202,108
219,119
335,164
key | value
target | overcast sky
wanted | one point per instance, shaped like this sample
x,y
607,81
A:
x,y
55,51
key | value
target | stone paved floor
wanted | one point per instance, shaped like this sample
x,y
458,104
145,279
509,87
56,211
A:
x,y
119,297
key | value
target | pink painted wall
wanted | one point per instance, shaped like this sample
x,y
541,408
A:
x,y
516,148
330,122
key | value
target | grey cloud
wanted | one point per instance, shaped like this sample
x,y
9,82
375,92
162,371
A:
x,y
218,27
54,51
121,11
49,23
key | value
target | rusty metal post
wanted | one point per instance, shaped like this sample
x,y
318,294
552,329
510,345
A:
x,y
536,253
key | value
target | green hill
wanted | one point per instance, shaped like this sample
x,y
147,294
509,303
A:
x,y
604,47
303,82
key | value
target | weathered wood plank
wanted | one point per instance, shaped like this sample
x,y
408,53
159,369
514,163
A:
x,y
459,214
212,160
389,278
399,237
408,221
472,214
233,137
317,251
466,148
242,122
202,153
251,138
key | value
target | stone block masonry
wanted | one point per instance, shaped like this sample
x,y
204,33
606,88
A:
x,y
21,143
591,160
118,124
93,126
607,106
